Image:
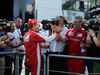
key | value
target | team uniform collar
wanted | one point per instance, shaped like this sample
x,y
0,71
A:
x,y
31,30
78,29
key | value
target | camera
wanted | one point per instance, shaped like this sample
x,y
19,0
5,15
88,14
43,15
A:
x,y
46,23
93,24
96,12
5,26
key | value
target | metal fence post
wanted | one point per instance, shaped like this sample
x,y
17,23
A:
x,y
48,65
17,65
44,57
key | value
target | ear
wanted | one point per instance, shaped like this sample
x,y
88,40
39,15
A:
x,y
81,22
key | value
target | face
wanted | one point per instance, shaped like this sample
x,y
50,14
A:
x,y
61,22
18,23
37,28
76,23
12,27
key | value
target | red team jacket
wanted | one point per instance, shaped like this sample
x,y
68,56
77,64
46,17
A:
x,y
32,45
75,38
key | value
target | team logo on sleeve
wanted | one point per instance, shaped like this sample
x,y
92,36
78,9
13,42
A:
x,y
70,33
26,39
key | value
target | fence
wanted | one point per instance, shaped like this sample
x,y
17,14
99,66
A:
x,y
17,61
48,59
67,56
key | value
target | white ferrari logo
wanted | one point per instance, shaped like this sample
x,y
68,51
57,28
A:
x,y
26,39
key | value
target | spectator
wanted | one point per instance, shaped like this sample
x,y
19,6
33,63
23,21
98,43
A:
x,y
57,47
94,40
33,48
70,25
11,48
2,46
88,63
74,37
18,24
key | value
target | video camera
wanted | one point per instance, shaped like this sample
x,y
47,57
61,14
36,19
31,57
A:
x,y
46,23
96,12
5,25
93,24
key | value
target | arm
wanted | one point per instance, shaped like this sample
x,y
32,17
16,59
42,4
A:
x,y
61,38
88,40
16,45
49,32
3,38
58,36
95,39
3,46
45,46
50,38
8,36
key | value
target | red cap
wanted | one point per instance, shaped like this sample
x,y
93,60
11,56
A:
x,y
32,22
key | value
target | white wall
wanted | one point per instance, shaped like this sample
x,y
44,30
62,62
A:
x,y
48,9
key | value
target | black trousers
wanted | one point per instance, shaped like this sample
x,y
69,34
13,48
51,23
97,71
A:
x,y
8,63
57,64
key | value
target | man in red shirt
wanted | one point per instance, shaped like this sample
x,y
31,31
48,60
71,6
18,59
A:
x,y
75,37
32,45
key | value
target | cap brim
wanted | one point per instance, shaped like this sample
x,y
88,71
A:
x,y
38,21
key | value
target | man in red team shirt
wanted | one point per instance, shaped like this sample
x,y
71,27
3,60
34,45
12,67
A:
x,y
75,37
32,45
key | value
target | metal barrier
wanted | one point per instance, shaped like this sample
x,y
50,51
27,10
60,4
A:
x,y
17,61
67,56
48,59
44,63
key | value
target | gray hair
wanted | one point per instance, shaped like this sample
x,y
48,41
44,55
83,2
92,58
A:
x,y
11,22
17,19
79,17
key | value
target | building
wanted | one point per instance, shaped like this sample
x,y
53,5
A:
x,y
45,9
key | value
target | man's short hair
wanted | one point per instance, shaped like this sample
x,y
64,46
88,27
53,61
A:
x,y
64,18
17,19
79,17
11,22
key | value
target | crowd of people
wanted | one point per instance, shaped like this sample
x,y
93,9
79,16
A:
x,y
64,39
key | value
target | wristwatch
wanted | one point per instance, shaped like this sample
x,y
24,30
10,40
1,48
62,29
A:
x,y
93,35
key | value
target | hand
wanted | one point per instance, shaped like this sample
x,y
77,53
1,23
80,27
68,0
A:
x,y
60,30
57,28
7,40
17,51
3,38
91,32
82,45
45,46
21,43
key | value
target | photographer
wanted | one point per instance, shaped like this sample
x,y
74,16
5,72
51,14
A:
x,y
57,47
94,40
11,48
4,38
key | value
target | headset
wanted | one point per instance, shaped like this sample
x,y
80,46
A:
x,y
64,19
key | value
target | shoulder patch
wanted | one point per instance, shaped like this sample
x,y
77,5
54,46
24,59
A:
x,y
26,39
70,33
